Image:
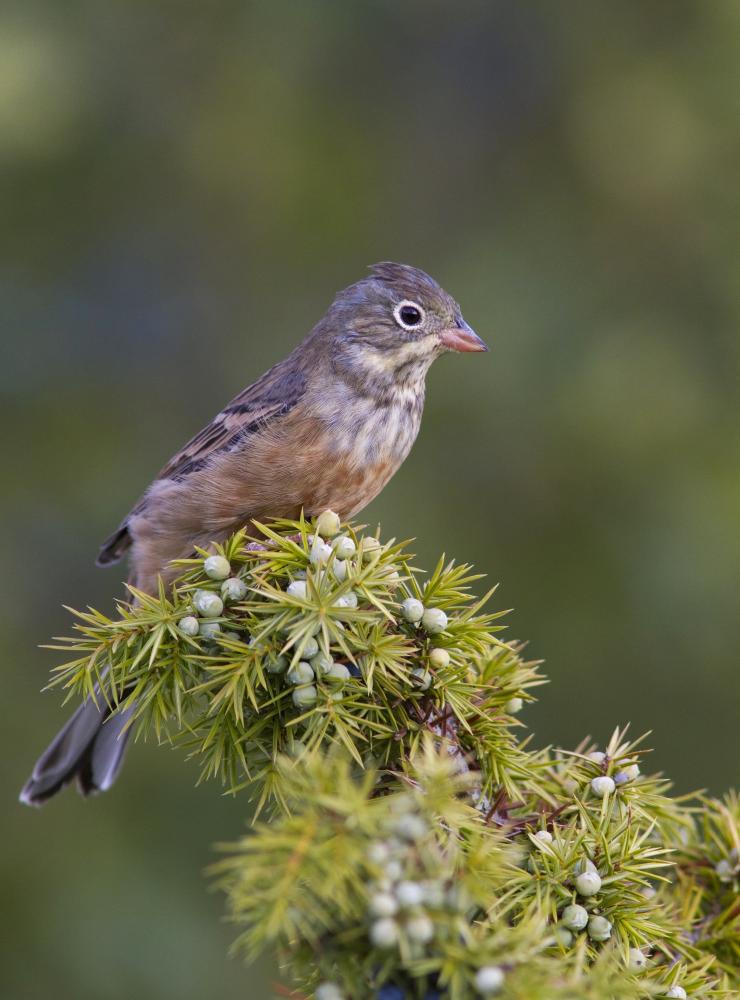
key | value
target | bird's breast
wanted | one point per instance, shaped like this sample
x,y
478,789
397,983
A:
x,y
374,433
338,452
366,444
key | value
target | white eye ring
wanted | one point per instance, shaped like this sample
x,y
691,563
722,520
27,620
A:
x,y
408,304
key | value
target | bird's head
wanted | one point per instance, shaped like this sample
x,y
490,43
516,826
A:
x,y
396,322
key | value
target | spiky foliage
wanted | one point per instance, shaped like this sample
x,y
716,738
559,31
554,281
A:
x,y
413,846
708,877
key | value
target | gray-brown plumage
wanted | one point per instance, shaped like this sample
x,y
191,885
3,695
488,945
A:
x,y
325,428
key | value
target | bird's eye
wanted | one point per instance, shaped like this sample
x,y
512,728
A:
x,y
408,314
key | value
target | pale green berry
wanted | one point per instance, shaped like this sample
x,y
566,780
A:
x,y
649,892
233,589
370,547
310,648
410,827
209,630
320,552
189,625
384,933
489,980
338,673
434,894
300,673
599,928
322,663
637,960
563,936
348,600
339,567
383,904
434,620
588,883
597,756
296,748
305,696
422,677
513,705
439,658
409,894
544,836
276,664
217,567
676,993
232,635
344,547
412,609
725,871
207,604
328,524
574,917
420,928
393,870
328,991
378,853
602,786
297,589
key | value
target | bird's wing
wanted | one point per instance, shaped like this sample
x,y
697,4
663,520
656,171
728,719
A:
x,y
253,409
256,407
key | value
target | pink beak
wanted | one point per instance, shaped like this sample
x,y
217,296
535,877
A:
x,y
462,338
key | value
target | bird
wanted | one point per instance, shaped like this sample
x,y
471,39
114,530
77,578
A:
x,y
324,429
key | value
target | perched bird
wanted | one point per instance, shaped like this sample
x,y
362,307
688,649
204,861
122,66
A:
x,y
325,428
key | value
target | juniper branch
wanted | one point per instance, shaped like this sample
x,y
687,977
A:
x,y
411,844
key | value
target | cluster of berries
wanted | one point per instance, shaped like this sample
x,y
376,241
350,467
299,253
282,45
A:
x,y
315,663
404,899
432,621
606,784
331,553
208,606
399,903
575,917
338,556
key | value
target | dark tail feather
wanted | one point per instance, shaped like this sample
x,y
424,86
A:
x,y
114,547
100,766
89,747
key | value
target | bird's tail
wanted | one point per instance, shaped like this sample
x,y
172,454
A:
x,y
90,748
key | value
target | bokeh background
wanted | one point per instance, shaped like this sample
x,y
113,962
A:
x,y
184,187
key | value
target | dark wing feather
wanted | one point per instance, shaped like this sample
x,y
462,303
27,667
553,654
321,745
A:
x,y
274,395
270,397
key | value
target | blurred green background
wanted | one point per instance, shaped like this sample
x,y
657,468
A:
x,y
184,188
